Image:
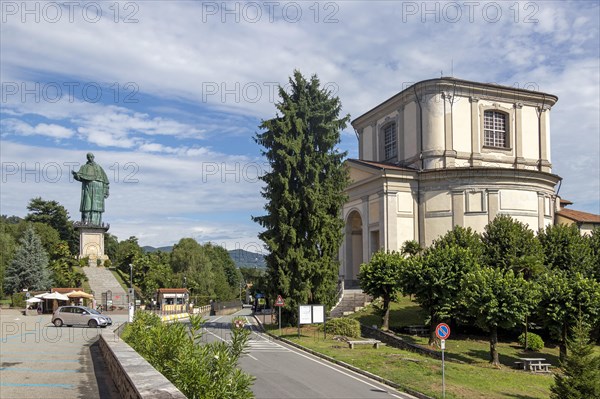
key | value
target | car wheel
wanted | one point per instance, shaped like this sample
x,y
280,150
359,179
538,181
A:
x,y
58,322
92,323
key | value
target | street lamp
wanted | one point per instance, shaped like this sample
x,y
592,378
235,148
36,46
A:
x,y
131,298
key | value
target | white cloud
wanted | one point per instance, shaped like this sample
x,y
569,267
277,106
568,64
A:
x,y
178,51
41,129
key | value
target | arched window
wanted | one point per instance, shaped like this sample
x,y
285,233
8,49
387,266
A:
x,y
389,140
495,129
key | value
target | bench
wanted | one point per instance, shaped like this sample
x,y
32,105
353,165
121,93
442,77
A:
x,y
373,342
519,365
417,330
540,367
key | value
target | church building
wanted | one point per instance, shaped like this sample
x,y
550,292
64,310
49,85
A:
x,y
446,152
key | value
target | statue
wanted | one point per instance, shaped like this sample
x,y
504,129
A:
x,y
94,189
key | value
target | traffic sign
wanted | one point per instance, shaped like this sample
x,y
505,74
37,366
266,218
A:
x,y
442,331
279,301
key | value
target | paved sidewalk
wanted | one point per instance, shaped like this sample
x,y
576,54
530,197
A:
x,y
38,360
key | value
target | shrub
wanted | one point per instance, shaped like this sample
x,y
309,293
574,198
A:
x,y
534,342
343,326
18,300
200,371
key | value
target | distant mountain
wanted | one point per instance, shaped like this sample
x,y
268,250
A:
x,y
241,257
249,259
149,249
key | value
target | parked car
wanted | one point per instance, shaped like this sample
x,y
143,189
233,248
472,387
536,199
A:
x,y
79,315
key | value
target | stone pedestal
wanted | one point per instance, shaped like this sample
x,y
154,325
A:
x,y
91,243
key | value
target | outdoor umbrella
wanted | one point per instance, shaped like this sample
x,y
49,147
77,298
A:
x,y
56,295
34,300
80,294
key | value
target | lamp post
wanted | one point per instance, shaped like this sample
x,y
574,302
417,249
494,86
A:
x,y
131,295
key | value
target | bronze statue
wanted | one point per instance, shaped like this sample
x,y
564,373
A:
x,y
94,189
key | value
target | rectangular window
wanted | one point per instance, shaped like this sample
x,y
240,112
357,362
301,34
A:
x,y
389,135
494,128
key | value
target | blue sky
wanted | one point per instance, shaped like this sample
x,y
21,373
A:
x,y
168,94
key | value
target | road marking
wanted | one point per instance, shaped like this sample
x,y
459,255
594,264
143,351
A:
x,y
30,370
39,360
14,384
342,372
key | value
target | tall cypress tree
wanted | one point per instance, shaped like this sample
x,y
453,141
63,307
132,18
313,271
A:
x,y
305,193
29,266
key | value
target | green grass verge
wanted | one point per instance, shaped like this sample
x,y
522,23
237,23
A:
x,y
423,374
121,279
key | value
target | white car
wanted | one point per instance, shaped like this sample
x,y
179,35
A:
x,y
79,315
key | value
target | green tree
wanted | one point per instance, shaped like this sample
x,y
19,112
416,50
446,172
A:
x,y
379,278
56,216
565,297
111,246
64,266
464,238
566,249
594,243
152,271
510,245
581,369
127,252
411,248
434,279
8,246
29,266
305,194
496,298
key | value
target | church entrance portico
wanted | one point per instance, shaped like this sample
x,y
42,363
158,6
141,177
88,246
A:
x,y
354,248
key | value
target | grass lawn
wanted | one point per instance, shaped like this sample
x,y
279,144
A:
x,y
120,279
474,380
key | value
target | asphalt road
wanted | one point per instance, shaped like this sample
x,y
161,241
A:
x,y
283,371
38,360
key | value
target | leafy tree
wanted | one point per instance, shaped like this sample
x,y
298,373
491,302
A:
x,y
8,246
190,260
55,215
411,248
496,298
152,271
511,245
111,246
47,234
305,194
464,238
581,369
566,249
127,252
64,267
594,243
29,266
435,279
565,297
225,266
379,278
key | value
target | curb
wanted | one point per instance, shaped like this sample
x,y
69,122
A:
x,y
372,376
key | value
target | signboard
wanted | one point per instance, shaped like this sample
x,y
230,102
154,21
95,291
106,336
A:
x,y
442,331
305,314
279,301
318,314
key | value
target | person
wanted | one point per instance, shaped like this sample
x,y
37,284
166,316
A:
x,y
94,189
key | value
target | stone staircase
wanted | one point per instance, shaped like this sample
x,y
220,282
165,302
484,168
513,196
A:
x,y
352,301
102,280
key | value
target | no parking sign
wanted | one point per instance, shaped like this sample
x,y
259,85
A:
x,y
442,331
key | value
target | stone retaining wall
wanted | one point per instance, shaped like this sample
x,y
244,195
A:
x,y
397,342
133,376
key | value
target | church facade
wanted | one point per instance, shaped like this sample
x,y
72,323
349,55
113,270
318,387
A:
x,y
447,152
